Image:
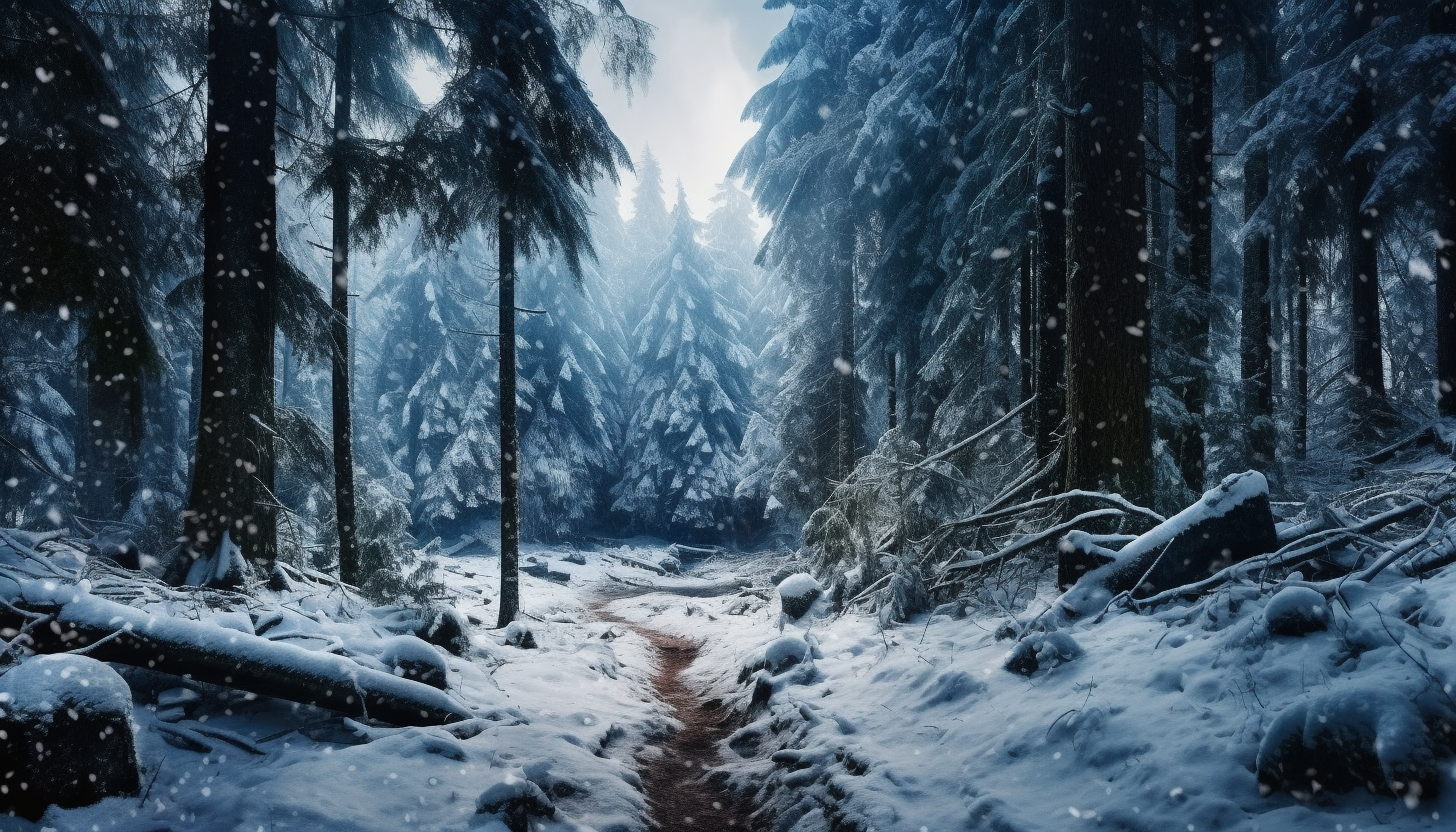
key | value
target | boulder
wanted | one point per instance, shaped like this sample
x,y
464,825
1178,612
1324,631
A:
x,y
415,659
65,722
797,593
1295,611
1042,651
1359,736
515,800
1231,523
520,635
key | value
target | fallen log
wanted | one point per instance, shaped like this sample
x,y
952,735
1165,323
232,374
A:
x,y
1231,523
54,617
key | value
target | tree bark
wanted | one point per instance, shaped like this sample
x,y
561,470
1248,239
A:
x,y
113,423
1108,373
1193,207
1443,22
349,567
1026,336
1301,357
232,480
1367,364
1256,355
845,428
891,383
1049,318
510,524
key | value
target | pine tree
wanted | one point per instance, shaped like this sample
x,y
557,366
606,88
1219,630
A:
x,y
731,235
434,384
568,402
690,376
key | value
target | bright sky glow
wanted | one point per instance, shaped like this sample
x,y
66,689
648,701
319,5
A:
x,y
707,57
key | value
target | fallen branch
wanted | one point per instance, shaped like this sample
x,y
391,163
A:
x,y
216,655
1027,541
971,440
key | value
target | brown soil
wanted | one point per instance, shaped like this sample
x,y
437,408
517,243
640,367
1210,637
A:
x,y
678,796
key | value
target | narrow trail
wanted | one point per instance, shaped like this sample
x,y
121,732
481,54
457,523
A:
x,y
678,796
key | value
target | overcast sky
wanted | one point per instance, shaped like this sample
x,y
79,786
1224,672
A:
x,y
707,57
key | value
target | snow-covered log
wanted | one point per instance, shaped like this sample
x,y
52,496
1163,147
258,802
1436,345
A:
x,y
55,617
1231,523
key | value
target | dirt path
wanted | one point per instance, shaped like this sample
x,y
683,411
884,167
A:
x,y
677,795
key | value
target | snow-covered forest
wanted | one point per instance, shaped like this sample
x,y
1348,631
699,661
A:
x,y
1047,421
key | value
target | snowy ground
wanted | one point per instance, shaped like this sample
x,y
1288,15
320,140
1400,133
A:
x,y
1155,728
568,716
916,727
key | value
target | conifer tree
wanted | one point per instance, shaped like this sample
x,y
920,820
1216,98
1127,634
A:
x,y
690,378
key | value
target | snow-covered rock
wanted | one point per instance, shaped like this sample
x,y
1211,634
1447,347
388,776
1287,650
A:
x,y
412,658
518,634
1361,736
1042,651
65,730
798,592
515,800
1296,610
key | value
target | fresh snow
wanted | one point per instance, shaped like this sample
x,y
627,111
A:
x,y
1157,723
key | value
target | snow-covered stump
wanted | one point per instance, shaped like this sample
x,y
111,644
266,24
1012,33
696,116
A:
x,y
1231,523
65,732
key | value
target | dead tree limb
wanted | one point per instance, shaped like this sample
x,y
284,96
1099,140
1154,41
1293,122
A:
x,y
216,655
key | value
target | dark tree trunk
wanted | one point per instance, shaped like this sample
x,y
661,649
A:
x,y
1443,22
1301,356
349,567
892,361
1193,207
845,433
1050,315
232,479
1256,354
112,420
1027,337
1367,364
1108,377
510,531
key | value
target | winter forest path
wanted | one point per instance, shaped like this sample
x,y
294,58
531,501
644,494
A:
x,y
679,796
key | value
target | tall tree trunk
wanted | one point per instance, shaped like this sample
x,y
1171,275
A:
x,y
1026,337
892,384
1443,22
1108,373
112,421
1193,206
1050,316
510,531
1301,356
349,566
1256,355
232,479
845,433
1367,365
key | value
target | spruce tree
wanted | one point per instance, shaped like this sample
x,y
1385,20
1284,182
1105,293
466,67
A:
x,y
690,378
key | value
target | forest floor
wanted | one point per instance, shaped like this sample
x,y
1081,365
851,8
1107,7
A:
x,y
827,723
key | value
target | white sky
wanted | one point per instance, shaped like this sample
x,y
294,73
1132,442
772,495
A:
x,y
707,57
